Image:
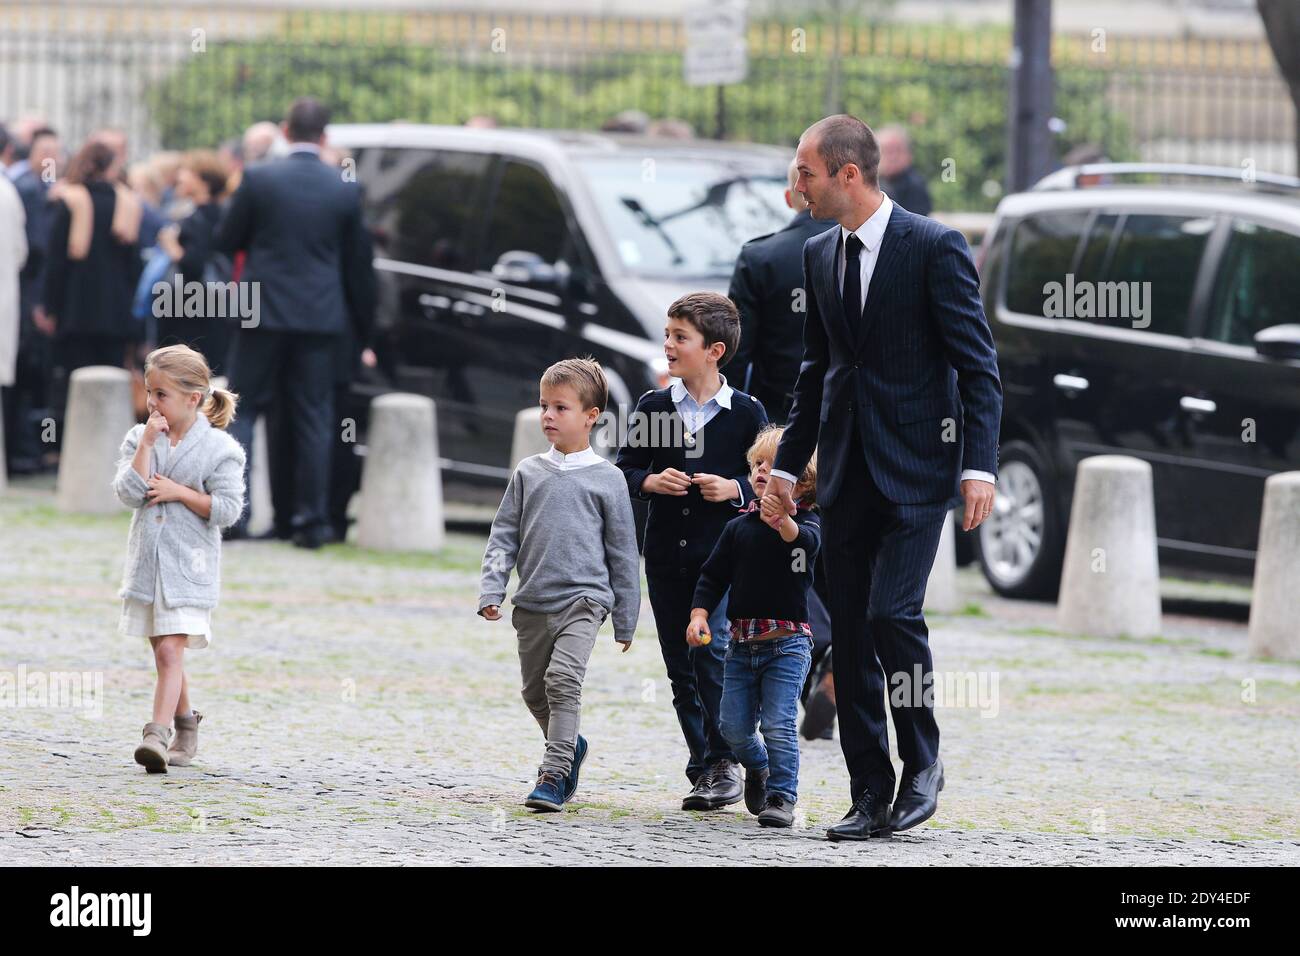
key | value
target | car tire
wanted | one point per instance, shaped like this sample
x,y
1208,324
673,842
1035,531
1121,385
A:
x,y
1022,544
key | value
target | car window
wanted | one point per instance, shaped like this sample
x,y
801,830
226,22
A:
x,y
1098,243
1149,281
1258,284
421,204
1042,251
527,216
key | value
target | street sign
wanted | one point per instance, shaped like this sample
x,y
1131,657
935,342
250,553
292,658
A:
x,y
716,51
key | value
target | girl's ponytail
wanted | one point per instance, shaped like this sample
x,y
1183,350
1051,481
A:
x,y
219,407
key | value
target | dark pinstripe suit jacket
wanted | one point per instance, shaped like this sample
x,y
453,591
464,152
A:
x,y
921,353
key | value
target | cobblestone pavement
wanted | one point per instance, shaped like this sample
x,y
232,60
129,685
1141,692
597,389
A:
x,y
358,712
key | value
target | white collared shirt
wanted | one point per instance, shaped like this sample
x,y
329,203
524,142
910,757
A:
x,y
872,234
577,459
696,416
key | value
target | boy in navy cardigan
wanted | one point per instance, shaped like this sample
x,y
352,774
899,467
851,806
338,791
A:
x,y
685,453
766,558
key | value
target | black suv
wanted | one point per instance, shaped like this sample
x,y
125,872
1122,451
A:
x,y
499,252
1156,320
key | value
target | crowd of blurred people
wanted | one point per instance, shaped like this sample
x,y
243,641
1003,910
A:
x,y
98,231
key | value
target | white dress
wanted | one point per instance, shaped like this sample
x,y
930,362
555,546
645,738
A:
x,y
150,620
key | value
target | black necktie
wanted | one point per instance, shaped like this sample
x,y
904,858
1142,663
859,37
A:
x,y
852,282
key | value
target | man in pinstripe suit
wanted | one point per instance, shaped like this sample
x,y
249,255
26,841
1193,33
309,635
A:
x,y
899,393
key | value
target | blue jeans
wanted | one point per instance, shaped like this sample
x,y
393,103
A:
x,y
760,690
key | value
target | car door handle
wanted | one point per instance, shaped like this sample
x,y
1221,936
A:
x,y
432,304
1199,406
1070,383
461,307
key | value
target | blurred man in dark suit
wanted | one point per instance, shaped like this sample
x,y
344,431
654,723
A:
x,y
300,224
899,179
767,287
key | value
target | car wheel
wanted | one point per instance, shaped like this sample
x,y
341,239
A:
x,y
1021,543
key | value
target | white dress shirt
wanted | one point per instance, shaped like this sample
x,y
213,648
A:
x,y
576,459
872,234
696,416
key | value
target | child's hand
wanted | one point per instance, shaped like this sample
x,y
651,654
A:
x,y
715,487
155,426
772,512
492,612
162,488
699,622
670,481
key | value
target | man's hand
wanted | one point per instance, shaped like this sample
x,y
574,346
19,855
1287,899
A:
x,y
772,511
491,613
715,487
670,481
778,490
44,322
979,502
627,646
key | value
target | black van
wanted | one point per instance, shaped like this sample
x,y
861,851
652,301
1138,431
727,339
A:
x,y
1157,320
499,252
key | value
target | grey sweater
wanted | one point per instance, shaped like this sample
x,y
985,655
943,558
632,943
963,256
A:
x,y
570,534
168,538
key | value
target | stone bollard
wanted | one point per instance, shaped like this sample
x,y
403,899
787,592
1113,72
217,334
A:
x,y
401,484
941,589
1110,584
99,414
529,439
1275,601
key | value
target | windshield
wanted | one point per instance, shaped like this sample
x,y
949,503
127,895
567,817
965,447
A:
x,y
675,217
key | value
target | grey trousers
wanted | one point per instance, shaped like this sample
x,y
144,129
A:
x,y
553,654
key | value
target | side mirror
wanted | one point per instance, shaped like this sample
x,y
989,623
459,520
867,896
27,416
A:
x,y
528,268
1279,341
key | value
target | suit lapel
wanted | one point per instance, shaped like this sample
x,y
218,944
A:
x,y
893,246
831,291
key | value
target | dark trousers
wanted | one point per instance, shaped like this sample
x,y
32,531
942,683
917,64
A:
x,y
694,673
295,369
878,559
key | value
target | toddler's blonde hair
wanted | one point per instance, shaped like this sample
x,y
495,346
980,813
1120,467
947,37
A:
x,y
189,370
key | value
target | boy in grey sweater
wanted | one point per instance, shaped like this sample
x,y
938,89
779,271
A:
x,y
566,523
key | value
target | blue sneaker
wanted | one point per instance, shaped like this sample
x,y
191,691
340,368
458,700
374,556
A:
x,y
579,755
548,795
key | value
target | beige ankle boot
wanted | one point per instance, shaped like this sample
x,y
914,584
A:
x,y
152,752
186,744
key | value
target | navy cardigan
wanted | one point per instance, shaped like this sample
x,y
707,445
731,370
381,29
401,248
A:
x,y
681,530
768,577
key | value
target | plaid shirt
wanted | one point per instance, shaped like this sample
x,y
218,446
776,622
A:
x,y
746,629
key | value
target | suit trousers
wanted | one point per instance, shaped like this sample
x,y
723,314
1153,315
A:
x,y
878,556
297,369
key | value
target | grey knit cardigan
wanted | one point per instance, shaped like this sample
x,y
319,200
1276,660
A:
x,y
171,537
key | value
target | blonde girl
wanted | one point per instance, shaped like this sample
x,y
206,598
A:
x,y
184,476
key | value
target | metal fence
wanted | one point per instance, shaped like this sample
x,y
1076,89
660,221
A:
x,y
177,77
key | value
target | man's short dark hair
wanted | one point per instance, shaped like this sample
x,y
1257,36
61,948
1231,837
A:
x,y
714,316
307,120
844,139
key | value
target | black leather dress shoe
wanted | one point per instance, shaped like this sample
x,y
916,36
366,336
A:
x,y
313,537
918,797
777,812
721,787
867,818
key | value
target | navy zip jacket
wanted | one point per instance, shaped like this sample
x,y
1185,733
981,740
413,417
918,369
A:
x,y
681,530
768,578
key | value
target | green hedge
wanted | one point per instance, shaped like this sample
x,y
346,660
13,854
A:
x,y
955,111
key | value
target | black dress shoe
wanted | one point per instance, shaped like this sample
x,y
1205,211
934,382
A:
x,y
867,818
918,797
819,711
755,790
777,812
313,537
698,798
718,786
